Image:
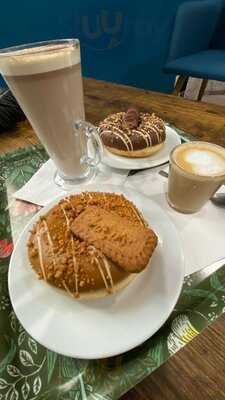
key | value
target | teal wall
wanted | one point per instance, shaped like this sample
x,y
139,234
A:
x,y
122,40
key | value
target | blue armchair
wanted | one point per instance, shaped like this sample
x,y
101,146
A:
x,y
197,47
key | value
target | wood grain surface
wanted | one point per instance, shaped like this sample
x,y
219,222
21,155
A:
x,y
198,370
205,121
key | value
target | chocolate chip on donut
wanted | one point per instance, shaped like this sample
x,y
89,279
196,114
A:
x,y
131,118
132,134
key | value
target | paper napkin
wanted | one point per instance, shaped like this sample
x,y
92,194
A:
x,y
41,188
202,234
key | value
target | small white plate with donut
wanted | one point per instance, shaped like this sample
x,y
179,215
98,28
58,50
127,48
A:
x,y
154,160
116,323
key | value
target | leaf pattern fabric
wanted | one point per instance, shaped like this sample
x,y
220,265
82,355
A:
x,y
28,371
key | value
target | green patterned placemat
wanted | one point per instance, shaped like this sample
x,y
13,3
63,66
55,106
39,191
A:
x,y
29,371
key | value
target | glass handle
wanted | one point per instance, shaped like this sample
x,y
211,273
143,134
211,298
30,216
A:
x,y
91,133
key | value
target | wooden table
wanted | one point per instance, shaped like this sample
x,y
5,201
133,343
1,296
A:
x,y
198,370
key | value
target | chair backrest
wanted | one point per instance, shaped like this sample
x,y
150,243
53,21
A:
x,y
194,26
218,39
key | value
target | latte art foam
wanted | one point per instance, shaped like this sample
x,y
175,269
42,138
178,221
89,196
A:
x,y
205,162
201,159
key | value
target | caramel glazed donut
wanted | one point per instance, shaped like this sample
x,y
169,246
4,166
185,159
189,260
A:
x,y
69,263
140,139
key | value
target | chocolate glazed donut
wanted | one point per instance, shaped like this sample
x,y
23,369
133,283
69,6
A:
x,y
132,134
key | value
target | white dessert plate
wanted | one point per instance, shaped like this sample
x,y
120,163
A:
x,y
111,325
172,140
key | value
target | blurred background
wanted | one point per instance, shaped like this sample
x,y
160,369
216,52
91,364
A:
x,y
121,41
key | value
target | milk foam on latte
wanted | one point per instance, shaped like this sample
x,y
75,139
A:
x,y
37,60
201,159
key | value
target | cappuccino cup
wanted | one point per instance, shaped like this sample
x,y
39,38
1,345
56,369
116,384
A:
x,y
197,170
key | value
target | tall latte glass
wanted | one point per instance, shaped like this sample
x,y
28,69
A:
x,y
46,80
197,170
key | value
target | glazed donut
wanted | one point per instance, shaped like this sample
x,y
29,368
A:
x,y
132,134
68,262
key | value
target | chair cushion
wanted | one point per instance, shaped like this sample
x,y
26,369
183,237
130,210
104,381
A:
x,y
209,64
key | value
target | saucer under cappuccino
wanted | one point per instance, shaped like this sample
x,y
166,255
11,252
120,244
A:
x,y
197,170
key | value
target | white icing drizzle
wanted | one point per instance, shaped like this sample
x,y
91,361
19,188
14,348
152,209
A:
x,y
145,137
73,254
93,252
120,132
149,126
50,241
120,136
67,289
75,268
102,273
70,203
155,129
105,128
41,255
123,140
107,267
66,217
149,136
